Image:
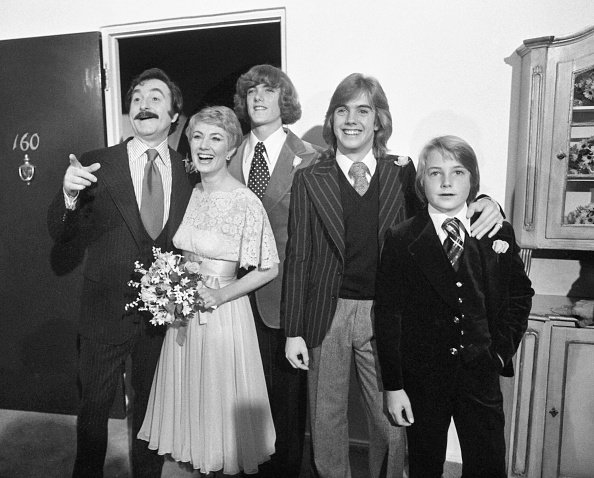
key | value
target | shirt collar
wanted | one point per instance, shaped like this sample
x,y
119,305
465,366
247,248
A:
x,y
273,145
345,163
438,218
137,148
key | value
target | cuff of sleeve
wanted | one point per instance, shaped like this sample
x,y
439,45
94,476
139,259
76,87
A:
x,y
70,201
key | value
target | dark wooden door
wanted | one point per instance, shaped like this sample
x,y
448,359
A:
x,y
52,105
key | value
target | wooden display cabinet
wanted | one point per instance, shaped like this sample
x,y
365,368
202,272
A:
x,y
551,163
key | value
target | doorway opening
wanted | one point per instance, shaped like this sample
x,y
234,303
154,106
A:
x,y
203,55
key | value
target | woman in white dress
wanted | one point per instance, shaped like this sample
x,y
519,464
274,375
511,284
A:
x,y
208,404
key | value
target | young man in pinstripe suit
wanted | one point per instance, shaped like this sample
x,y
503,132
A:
x,y
340,209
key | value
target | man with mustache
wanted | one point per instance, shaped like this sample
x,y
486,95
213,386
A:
x,y
116,204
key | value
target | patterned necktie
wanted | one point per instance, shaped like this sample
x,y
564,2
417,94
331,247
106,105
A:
x,y
453,245
152,202
358,171
259,174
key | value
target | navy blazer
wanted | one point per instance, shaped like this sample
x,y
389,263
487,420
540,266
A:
x,y
417,301
316,246
107,228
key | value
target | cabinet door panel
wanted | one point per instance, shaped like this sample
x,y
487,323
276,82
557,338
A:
x,y
569,425
573,175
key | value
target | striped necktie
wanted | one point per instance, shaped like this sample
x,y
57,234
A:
x,y
453,245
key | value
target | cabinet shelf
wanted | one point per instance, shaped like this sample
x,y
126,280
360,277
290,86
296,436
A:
x,y
580,177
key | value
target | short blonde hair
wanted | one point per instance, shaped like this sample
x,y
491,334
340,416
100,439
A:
x,y
455,148
222,117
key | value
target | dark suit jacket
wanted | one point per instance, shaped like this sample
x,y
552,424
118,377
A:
x,y
276,203
417,301
316,246
106,225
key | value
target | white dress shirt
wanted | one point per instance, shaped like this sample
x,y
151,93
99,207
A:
x,y
345,163
439,217
137,159
273,144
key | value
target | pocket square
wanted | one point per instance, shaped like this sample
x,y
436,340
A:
x,y
297,161
500,246
402,161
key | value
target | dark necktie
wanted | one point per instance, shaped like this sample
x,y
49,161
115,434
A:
x,y
259,173
453,244
152,202
358,171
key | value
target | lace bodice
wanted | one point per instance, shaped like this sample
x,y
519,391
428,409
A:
x,y
230,226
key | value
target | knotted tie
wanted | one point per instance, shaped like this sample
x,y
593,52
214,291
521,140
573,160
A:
x,y
259,174
453,244
358,171
152,202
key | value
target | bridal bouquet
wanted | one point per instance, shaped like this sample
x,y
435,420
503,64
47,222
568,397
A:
x,y
168,288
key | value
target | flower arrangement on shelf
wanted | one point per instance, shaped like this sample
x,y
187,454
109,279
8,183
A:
x,y
581,157
583,92
582,215
168,288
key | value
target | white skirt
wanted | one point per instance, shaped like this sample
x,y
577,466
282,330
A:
x,y
208,403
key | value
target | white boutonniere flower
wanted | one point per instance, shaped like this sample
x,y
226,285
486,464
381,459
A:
x,y
297,161
402,161
500,246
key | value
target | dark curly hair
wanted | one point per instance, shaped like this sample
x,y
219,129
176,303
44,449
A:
x,y
177,101
269,75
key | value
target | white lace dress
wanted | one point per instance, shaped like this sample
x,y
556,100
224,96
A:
x,y
208,403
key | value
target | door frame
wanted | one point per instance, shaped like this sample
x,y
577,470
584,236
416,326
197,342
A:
x,y
111,59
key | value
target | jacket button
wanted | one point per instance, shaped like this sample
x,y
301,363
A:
x,y
460,300
454,351
456,320
461,332
458,284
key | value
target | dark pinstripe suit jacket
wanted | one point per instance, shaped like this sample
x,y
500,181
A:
x,y
276,202
316,247
107,227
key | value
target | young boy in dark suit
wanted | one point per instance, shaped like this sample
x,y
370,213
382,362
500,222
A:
x,y
450,312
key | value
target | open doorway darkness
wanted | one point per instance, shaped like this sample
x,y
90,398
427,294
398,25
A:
x,y
204,63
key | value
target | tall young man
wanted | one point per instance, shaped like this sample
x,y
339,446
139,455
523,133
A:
x,y
266,161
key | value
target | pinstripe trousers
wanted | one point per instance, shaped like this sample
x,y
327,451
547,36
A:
x,y
100,369
350,336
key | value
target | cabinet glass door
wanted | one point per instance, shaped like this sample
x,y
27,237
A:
x,y
571,196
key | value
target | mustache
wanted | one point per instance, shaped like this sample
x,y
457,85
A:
x,y
145,115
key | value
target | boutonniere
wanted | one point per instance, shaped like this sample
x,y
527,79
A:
x,y
402,160
297,161
500,246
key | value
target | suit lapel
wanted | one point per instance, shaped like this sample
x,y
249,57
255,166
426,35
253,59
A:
x,y
281,178
118,181
324,191
390,188
235,166
427,251
179,194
